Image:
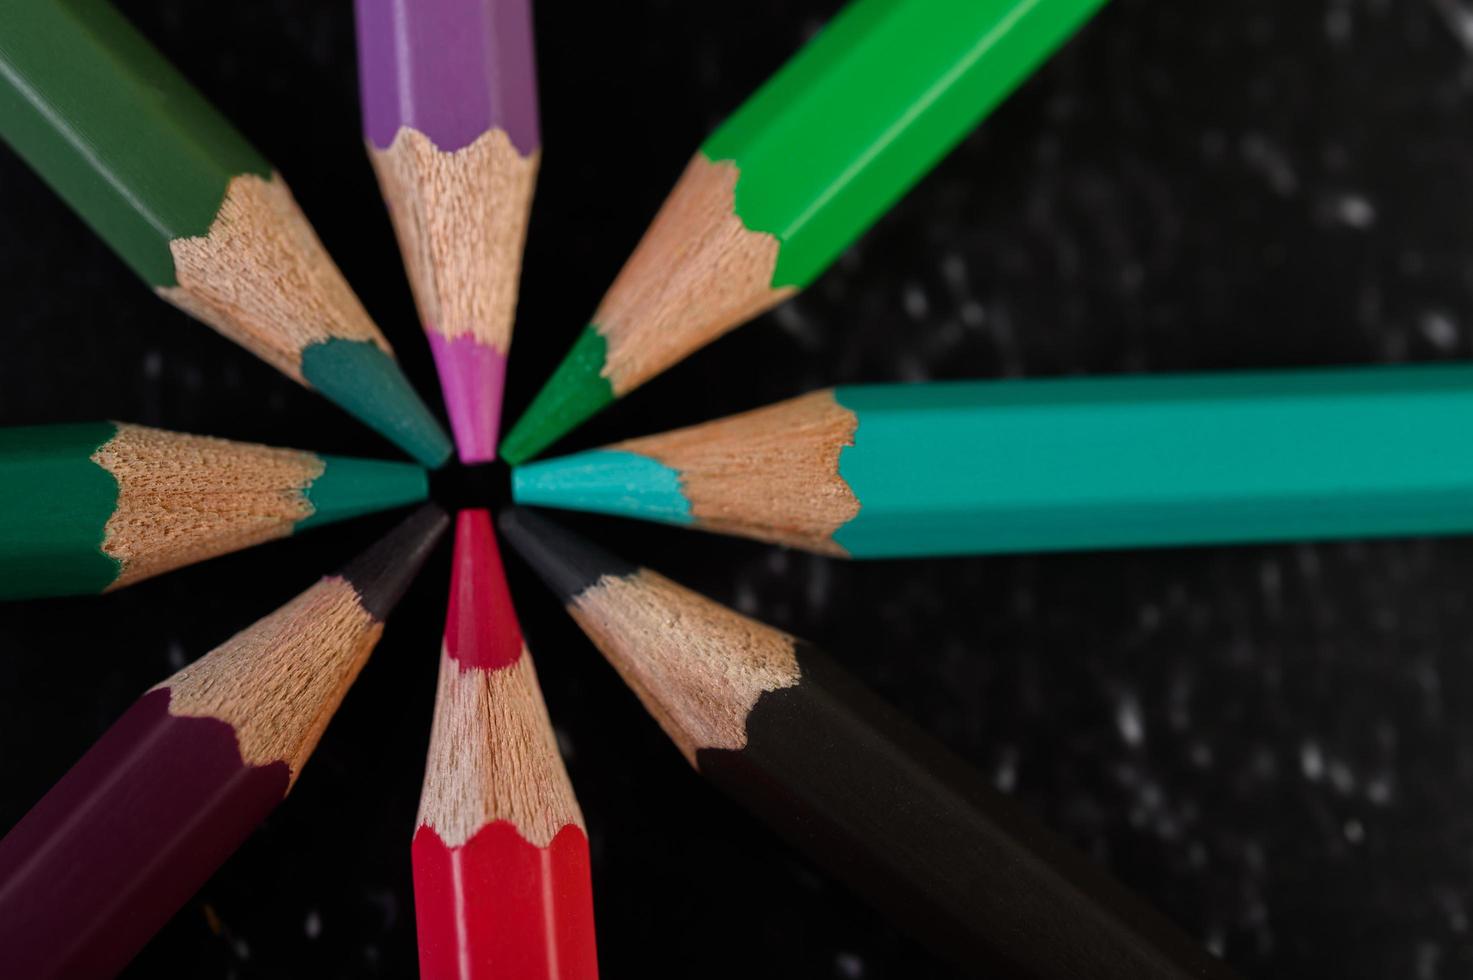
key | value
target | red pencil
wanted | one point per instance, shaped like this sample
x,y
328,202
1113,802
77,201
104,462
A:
x,y
501,875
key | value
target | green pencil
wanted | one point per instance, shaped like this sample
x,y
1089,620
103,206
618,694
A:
x,y
888,471
792,178
183,198
96,506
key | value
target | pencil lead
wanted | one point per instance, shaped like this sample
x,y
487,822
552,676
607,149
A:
x,y
350,487
481,627
369,385
605,481
576,391
382,574
565,562
472,379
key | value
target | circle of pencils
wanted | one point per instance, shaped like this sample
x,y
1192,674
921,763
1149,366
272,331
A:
x,y
500,857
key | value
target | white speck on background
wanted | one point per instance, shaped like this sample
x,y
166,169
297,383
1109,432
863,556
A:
x,y
1440,329
1311,761
1128,720
848,965
313,925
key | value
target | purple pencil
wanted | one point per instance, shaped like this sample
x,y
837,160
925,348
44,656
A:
x,y
450,117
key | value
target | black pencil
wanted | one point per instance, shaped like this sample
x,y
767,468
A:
x,y
838,773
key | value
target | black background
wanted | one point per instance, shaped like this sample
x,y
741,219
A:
x,y
1269,743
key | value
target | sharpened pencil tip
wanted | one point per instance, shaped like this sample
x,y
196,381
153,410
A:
x,y
382,574
369,385
576,392
567,563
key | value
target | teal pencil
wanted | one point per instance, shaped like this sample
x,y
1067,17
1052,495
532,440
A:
x,y
1008,466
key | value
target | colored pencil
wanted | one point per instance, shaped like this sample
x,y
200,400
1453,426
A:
x,y
501,876
181,196
96,506
184,776
450,118
884,471
783,730
802,169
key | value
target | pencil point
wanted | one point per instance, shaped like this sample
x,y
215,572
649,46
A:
x,y
383,573
472,376
576,392
481,628
566,563
369,385
604,481
349,487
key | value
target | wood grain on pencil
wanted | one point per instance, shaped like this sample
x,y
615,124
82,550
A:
x,y
501,870
839,774
96,506
184,776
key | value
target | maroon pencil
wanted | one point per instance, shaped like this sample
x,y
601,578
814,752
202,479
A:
x,y
185,775
449,94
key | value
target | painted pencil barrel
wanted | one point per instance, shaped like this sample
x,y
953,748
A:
x,y
196,212
1009,466
869,106
96,506
449,95
152,809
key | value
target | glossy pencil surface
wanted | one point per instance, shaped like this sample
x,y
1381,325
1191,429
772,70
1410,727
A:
x,y
798,172
96,506
181,196
844,777
501,869
176,784
1006,466
450,118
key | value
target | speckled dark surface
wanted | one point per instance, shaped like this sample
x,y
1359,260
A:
x,y
1266,742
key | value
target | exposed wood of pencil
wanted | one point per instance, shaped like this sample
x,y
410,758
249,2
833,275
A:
x,y
182,778
493,757
771,473
183,499
861,789
697,273
460,218
261,277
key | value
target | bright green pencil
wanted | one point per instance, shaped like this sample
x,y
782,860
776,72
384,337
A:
x,y
191,206
792,178
96,506
888,471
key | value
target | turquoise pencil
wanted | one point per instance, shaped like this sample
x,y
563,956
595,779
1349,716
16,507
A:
x,y
886,471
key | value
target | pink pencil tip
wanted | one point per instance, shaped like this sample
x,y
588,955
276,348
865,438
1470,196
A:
x,y
472,375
